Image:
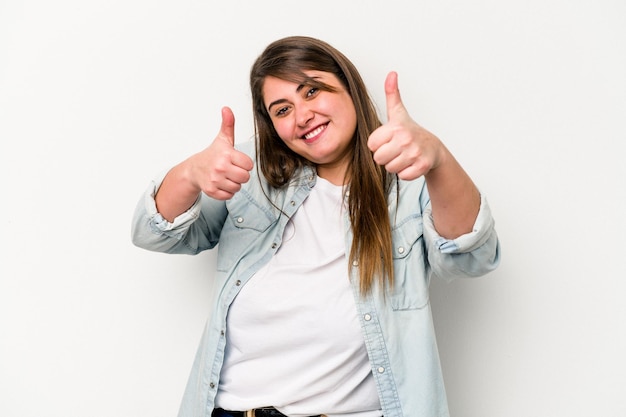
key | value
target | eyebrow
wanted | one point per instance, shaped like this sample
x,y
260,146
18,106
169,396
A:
x,y
283,100
273,103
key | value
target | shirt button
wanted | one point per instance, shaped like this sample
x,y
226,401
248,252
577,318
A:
x,y
367,317
212,385
238,283
381,369
274,245
355,263
222,333
239,219
293,203
400,249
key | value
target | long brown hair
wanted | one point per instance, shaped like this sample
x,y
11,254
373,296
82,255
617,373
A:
x,y
369,183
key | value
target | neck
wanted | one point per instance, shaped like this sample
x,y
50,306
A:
x,y
335,175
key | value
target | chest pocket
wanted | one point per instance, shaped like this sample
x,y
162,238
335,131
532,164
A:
x,y
410,287
244,230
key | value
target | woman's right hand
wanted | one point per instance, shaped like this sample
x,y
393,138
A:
x,y
218,171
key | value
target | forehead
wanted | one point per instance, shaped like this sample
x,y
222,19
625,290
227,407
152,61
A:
x,y
274,86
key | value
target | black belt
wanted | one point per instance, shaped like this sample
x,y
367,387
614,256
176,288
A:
x,y
258,412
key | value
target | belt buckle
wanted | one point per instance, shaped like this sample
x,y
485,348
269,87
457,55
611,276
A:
x,y
251,413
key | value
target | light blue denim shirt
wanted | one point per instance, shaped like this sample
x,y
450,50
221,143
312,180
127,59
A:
x,y
397,326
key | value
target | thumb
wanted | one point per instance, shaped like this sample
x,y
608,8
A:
x,y
392,94
227,130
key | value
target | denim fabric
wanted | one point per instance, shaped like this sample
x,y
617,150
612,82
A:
x,y
396,323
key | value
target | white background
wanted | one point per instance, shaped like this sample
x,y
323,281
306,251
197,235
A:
x,y
98,96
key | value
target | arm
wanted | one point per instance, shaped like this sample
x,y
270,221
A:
x,y
406,148
454,198
172,217
191,232
218,171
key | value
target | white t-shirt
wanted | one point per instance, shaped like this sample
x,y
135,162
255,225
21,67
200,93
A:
x,y
293,337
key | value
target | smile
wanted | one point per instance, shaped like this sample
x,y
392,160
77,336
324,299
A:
x,y
314,132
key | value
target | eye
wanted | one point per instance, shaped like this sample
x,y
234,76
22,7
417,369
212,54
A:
x,y
312,92
281,111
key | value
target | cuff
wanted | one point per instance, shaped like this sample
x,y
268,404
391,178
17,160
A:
x,y
468,242
158,223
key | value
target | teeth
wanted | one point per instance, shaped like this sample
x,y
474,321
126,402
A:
x,y
314,132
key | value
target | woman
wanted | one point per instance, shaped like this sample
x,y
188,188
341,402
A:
x,y
326,246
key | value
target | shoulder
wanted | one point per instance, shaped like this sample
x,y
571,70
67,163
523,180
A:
x,y
248,147
411,196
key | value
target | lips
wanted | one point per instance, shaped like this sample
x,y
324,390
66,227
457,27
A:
x,y
315,132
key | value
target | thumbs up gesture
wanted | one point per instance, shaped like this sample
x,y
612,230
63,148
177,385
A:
x,y
220,169
401,145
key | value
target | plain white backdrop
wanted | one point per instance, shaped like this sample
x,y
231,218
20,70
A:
x,y
97,97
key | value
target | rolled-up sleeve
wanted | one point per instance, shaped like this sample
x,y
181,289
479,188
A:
x,y
189,233
470,255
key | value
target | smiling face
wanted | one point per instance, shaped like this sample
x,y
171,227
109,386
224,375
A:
x,y
317,124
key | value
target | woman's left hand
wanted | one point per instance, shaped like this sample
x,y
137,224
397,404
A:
x,y
406,148
401,145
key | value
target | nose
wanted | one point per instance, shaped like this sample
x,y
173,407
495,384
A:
x,y
304,114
